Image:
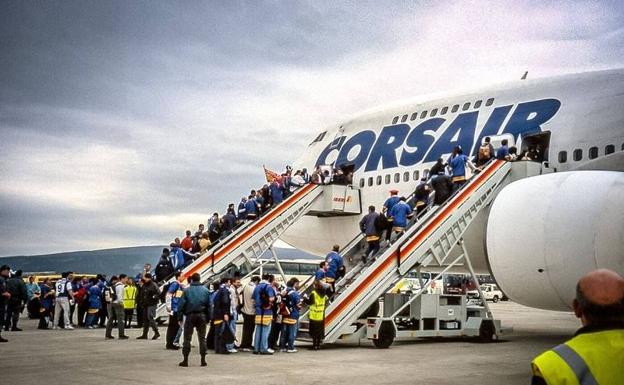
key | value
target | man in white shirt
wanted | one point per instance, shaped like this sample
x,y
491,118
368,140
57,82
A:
x,y
249,314
64,293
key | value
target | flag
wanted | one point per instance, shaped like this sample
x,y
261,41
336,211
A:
x,y
270,175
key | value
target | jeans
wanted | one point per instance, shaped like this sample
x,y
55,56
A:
x,y
149,319
62,303
289,333
92,319
117,312
176,340
261,339
232,326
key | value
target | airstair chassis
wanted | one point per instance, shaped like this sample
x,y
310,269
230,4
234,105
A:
x,y
427,244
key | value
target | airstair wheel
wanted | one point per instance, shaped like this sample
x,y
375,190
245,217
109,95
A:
x,y
386,335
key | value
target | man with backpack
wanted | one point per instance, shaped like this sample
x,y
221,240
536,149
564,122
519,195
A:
x,y
116,307
335,267
264,296
486,152
291,305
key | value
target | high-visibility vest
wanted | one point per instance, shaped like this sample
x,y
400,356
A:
x,y
317,308
587,359
129,298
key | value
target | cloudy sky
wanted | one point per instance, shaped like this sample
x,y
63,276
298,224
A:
x,y
123,123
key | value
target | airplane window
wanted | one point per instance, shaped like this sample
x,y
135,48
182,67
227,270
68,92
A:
x,y
478,103
423,114
610,149
455,108
414,116
397,177
378,180
593,152
563,157
361,182
577,154
404,118
406,176
370,181
416,175
444,110
434,112
489,102
388,178
466,106
396,119
425,173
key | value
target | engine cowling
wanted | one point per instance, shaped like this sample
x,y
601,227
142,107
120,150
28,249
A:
x,y
545,232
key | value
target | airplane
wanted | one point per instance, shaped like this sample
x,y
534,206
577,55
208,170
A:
x,y
541,233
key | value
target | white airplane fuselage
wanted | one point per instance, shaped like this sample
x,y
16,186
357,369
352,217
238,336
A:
x,y
577,120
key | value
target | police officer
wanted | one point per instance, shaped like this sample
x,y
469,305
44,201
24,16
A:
x,y
596,353
195,305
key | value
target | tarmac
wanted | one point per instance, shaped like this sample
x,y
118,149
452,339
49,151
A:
x,y
84,356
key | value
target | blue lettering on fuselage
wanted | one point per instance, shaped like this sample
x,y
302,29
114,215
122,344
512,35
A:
x,y
366,149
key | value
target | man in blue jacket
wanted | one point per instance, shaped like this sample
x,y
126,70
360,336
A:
x,y
458,168
195,305
264,296
335,266
290,320
400,214
251,208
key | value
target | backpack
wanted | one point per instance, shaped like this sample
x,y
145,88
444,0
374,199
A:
x,y
484,152
109,294
265,302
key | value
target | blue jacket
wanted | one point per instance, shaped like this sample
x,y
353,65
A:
x,y
277,193
293,298
319,275
177,257
390,202
46,301
176,290
267,288
242,214
502,152
95,297
458,165
195,299
250,207
334,262
367,224
399,214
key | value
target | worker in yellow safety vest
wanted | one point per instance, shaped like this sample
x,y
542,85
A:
x,y
595,356
317,301
129,301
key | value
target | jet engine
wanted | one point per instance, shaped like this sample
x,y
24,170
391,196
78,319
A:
x,y
545,232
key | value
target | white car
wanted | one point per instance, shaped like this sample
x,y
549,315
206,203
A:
x,y
491,292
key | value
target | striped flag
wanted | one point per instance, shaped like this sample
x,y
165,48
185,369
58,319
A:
x,y
270,175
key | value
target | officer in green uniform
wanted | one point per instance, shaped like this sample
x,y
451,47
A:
x,y
595,356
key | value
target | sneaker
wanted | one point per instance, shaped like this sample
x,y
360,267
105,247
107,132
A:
x,y
69,327
269,350
232,351
291,351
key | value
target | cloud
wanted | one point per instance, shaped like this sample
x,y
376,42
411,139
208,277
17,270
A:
x,y
126,123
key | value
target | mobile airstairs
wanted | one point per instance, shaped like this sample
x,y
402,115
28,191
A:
x,y
252,239
428,243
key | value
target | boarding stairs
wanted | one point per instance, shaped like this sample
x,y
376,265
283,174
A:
x,y
252,239
427,243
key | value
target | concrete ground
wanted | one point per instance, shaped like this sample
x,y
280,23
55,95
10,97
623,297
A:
x,y
83,356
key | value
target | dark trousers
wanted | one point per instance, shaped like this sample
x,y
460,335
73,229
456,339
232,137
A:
x,y
317,332
44,318
276,329
82,312
2,312
103,315
221,337
210,339
129,313
373,247
13,311
249,324
194,321
172,329
117,312
149,319
139,310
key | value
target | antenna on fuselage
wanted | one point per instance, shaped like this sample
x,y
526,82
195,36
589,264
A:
x,y
525,75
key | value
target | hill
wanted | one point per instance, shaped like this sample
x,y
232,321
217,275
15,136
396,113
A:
x,y
127,260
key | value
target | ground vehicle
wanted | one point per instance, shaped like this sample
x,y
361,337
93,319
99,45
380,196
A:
x,y
491,292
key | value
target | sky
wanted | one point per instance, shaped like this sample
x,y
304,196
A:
x,y
125,123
